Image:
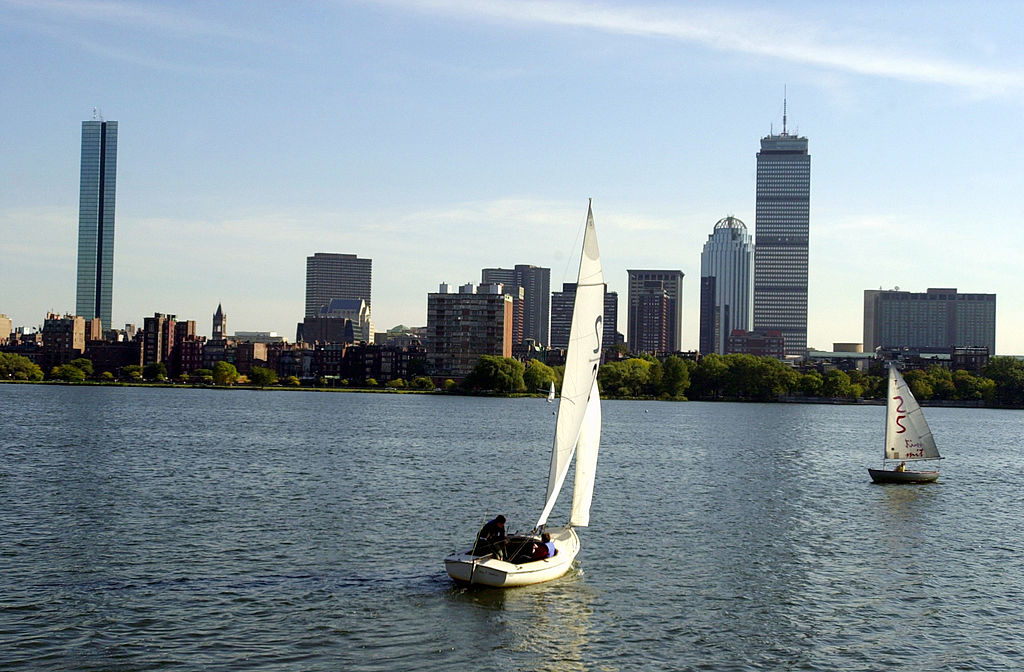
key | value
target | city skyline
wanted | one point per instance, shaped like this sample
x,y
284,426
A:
x,y
476,131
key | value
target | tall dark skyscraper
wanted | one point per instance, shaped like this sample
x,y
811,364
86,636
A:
x,y
96,220
781,229
336,276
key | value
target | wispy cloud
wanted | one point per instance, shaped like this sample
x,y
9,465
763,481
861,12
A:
x,y
754,33
132,15
142,32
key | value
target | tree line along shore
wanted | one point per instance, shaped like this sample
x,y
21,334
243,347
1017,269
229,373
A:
x,y
735,377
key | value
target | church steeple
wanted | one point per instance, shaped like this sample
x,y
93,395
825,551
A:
x,y
220,325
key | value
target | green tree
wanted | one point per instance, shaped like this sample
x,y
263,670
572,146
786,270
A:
x,y
132,371
292,381
18,367
708,377
154,371
675,377
761,378
919,383
224,373
624,379
941,380
971,388
655,374
835,385
501,374
84,364
876,387
67,372
810,384
422,383
107,377
396,383
261,376
1007,374
538,376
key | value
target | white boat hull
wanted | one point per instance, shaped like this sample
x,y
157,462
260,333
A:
x,y
474,570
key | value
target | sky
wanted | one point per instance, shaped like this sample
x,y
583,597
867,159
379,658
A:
x,y
440,137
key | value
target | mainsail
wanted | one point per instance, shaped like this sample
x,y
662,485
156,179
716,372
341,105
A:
x,y
586,461
579,402
907,436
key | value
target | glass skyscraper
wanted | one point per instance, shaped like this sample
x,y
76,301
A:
x,y
96,220
727,284
781,223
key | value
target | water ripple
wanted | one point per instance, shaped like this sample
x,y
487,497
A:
x,y
190,529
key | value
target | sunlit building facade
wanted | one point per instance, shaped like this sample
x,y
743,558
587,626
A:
x,y
939,319
727,284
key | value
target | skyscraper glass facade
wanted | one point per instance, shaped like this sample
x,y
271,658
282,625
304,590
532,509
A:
x,y
781,233
97,185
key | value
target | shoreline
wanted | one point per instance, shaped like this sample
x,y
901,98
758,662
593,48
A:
x,y
934,403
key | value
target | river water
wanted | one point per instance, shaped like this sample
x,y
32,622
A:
x,y
178,529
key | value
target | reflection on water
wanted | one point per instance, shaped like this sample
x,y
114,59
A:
x,y
542,627
182,529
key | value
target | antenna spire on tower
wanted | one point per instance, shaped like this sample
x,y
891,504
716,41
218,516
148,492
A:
x,y
784,109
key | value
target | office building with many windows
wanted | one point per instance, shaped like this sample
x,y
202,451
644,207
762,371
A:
x,y
535,283
726,285
465,325
646,330
781,235
561,316
97,187
336,276
939,319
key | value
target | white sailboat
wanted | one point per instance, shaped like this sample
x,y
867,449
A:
x,y
577,432
551,394
907,436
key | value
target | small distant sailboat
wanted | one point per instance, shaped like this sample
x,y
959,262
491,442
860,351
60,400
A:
x,y
907,436
551,394
577,432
